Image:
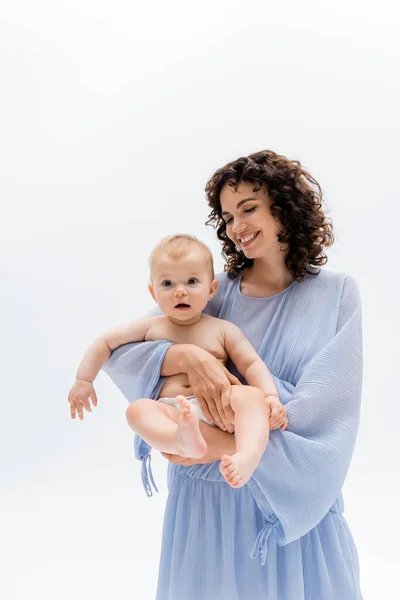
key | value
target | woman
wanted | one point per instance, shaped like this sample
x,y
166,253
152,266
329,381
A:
x,y
282,536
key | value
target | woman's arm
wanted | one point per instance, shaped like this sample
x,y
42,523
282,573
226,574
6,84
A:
x,y
175,360
303,469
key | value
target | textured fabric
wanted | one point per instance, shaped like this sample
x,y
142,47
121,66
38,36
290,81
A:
x,y
192,400
282,536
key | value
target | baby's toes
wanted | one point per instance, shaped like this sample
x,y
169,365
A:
x,y
226,471
182,400
234,479
236,482
223,469
229,471
226,461
187,411
232,476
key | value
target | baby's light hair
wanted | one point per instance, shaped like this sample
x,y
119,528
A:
x,y
178,245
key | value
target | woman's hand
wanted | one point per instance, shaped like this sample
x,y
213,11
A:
x,y
218,443
211,385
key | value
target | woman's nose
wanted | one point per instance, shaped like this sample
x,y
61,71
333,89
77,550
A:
x,y
239,227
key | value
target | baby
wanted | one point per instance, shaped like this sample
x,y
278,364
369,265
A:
x,y
182,283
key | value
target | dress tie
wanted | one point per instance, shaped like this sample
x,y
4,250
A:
x,y
260,547
147,475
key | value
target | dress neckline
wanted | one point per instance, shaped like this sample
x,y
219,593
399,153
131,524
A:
x,y
239,281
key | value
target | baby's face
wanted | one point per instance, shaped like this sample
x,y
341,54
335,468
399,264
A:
x,y
182,288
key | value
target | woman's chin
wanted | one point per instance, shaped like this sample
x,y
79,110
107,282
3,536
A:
x,y
252,253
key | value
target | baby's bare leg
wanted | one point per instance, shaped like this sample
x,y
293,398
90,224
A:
x,y
252,434
166,428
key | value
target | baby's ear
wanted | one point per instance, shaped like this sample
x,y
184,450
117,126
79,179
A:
x,y
213,288
151,290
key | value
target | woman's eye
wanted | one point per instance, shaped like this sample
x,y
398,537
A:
x,y
249,210
192,280
166,283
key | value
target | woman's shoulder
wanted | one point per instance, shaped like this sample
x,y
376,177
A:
x,y
329,291
332,280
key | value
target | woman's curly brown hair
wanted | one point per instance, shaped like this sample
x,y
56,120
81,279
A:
x,y
296,204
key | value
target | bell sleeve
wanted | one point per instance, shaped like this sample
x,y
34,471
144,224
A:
x,y
303,468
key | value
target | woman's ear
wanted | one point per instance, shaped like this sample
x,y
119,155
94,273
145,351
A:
x,y
151,290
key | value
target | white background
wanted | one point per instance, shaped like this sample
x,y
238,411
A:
x,y
113,116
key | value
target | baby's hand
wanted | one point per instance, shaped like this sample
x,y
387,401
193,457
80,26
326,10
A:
x,y
277,414
79,396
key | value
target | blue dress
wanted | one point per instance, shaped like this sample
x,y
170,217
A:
x,y
282,536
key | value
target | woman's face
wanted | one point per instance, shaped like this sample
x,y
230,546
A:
x,y
249,222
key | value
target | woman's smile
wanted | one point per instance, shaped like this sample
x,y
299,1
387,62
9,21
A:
x,y
248,239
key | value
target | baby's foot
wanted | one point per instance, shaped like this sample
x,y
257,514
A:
x,y
190,441
238,469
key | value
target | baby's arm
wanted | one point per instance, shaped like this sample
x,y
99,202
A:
x,y
95,357
100,350
257,374
247,361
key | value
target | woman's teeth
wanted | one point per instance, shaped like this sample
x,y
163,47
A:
x,y
245,241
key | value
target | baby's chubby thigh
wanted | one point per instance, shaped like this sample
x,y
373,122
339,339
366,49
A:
x,y
142,409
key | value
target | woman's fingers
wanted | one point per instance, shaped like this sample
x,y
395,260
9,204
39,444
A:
x,y
222,405
225,393
209,407
225,399
216,416
211,383
204,407
233,380
227,408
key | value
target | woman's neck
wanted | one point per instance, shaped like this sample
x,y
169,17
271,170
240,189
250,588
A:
x,y
268,274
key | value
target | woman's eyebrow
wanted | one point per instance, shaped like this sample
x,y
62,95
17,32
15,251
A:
x,y
225,212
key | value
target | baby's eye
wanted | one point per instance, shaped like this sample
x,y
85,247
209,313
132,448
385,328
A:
x,y
192,280
166,283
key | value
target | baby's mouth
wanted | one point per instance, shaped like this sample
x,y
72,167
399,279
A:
x,y
182,305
